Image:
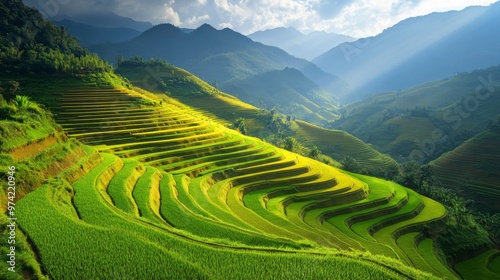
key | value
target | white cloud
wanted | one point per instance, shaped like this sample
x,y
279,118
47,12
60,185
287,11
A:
x,y
352,17
170,16
196,21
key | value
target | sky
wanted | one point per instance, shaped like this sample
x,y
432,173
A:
x,y
357,18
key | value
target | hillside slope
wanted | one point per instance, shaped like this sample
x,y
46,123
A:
x,y
91,35
417,50
223,189
33,151
233,55
195,93
423,122
473,168
298,44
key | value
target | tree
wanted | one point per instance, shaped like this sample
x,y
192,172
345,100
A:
x,y
239,125
119,60
12,88
459,209
426,177
350,164
408,175
290,144
391,172
314,153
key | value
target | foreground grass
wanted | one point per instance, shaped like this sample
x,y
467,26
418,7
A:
x,y
102,238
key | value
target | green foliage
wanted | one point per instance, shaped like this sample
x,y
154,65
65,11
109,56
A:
x,y
350,164
29,44
11,89
315,152
21,102
239,125
158,76
290,144
23,121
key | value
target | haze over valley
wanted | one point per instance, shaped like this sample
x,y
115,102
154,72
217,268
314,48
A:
x,y
250,139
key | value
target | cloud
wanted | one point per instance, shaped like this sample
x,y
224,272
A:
x,y
196,21
169,15
358,18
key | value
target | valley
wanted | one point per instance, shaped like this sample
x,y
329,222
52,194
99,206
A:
x,y
181,152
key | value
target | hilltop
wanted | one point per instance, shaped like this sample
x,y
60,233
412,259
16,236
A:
x,y
478,162
234,56
103,169
417,50
196,93
294,42
423,122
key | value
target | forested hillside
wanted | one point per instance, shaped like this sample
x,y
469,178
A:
x,y
38,46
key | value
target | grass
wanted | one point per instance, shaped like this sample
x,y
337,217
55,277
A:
x,y
228,198
407,243
146,195
427,245
121,186
477,267
339,143
106,229
477,159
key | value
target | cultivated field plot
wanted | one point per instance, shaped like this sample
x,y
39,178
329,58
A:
x,y
179,196
478,161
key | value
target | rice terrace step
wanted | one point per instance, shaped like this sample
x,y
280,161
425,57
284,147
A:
x,y
182,185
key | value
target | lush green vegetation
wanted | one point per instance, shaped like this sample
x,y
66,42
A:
x,y
271,124
478,162
38,46
426,121
480,267
193,199
226,190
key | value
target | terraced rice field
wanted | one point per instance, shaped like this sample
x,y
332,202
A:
x,y
478,162
337,142
484,266
214,202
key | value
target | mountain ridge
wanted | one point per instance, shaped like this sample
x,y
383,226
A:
x,y
417,50
307,46
90,35
232,54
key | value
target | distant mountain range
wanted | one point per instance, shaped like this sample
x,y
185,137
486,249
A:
x,y
424,122
90,35
221,56
418,50
106,20
298,44
288,90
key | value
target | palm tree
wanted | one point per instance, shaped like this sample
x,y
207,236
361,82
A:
x,y
22,102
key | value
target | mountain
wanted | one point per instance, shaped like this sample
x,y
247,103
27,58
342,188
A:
x,y
38,47
472,168
423,122
166,182
221,56
418,50
106,20
287,89
298,44
91,35
227,109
